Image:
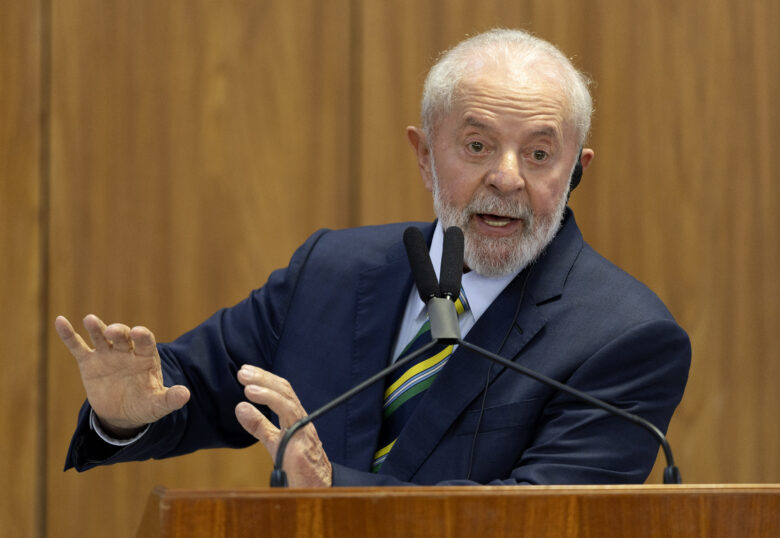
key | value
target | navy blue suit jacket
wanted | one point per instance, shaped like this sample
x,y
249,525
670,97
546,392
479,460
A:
x,y
329,320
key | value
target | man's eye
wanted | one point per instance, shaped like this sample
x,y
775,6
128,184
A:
x,y
476,147
539,155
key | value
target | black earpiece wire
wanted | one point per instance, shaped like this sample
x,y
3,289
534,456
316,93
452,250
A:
x,y
490,369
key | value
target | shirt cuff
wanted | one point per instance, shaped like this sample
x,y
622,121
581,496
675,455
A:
x,y
94,424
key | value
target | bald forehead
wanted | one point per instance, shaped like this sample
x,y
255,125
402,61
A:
x,y
509,56
524,70
540,87
517,60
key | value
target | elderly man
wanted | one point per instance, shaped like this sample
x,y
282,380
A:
x,y
504,120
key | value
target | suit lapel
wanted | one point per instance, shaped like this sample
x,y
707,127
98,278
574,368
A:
x,y
382,293
503,329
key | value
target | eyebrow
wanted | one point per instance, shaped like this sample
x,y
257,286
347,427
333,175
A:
x,y
474,122
545,131
471,121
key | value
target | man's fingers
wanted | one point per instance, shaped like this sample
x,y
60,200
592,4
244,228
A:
x,y
96,330
252,375
288,410
71,338
119,337
258,425
308,465
265,388
143,341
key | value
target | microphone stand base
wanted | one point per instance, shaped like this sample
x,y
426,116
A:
x,y
278,478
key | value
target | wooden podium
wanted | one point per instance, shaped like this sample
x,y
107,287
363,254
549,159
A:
x,y
475,512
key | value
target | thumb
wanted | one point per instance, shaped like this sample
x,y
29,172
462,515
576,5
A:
x,y
175,397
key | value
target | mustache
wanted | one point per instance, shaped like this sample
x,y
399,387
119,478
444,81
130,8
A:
x,y
497,205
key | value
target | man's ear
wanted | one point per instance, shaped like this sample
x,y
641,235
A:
x,y
583,161
422,151
586,157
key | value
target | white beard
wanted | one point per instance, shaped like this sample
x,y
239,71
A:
x,y
498,256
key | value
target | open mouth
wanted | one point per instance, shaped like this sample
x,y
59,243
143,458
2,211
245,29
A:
x,y
496,221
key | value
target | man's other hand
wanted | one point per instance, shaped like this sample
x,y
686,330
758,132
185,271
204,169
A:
x,y
306,463
122,375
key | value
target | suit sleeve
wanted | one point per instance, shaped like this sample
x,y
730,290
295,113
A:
x,y
644,372
206,360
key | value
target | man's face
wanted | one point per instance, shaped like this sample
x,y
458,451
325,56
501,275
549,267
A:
x,y
499,167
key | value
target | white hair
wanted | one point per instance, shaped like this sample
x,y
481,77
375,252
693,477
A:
x,y
521,53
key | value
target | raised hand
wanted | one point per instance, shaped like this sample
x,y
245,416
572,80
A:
x,y
306,463
122,375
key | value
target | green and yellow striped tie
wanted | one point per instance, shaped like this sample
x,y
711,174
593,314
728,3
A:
x,y
406,387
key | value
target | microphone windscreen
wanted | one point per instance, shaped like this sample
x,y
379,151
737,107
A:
x,y
420,262
451,262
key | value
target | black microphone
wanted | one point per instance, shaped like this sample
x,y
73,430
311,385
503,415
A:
x,y
420,263
451,263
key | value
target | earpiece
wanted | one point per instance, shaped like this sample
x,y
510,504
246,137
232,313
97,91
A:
x,y
576,174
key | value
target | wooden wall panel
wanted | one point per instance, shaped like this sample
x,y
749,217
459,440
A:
x,y
195,144
192,150
682,193
685,199
21,393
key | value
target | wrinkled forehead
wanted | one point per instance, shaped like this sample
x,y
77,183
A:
x,y
532,74
491,91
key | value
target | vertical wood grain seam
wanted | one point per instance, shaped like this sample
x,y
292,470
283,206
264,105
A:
x,y
44,186
354,181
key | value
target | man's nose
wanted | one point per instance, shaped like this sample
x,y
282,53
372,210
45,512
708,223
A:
x,y
507,176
